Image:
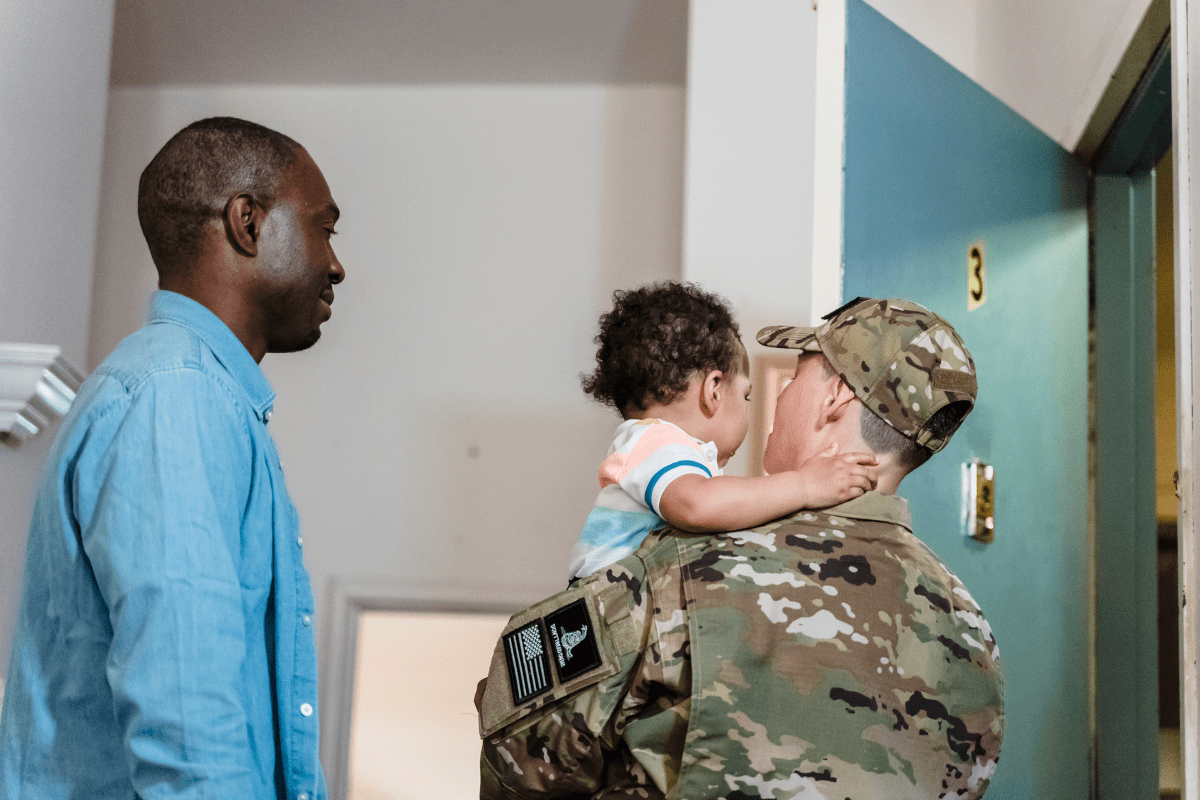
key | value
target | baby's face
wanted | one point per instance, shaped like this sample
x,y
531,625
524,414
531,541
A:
x,y
732,420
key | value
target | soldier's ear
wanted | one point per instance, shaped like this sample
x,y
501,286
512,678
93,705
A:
x,y
836,401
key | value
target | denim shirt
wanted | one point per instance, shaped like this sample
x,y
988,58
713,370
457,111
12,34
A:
x,y
164,646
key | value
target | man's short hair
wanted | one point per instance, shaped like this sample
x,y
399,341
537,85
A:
x,y
187,184
884,439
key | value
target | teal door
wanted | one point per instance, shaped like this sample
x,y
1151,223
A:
x,y
934,165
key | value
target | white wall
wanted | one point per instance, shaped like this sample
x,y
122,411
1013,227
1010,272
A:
x,y
1048,61
53,89
437,433
748,201
748,198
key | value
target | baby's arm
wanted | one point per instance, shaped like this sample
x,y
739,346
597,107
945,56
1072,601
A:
x,y
729,503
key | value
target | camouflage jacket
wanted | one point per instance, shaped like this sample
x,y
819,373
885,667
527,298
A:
x,y
825,655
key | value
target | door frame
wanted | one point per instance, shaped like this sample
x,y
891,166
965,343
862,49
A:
x,y
1185,103
1123,363
1125,542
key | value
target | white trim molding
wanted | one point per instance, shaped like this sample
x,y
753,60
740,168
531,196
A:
x,y
1185,43
37,387
830,149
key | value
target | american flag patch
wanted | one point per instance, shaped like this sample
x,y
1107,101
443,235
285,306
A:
x,y
528,662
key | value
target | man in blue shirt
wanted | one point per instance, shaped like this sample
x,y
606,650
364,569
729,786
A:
x,y
164,646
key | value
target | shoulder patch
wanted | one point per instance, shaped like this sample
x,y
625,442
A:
x,y
574,636
528,662
574,631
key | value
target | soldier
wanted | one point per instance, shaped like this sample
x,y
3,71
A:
x,y
828,654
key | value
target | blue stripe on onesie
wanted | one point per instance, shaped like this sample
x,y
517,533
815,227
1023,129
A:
x,y
633,479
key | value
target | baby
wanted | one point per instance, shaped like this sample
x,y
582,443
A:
x,y
672,363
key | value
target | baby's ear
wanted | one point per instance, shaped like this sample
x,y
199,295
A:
x,y
712,389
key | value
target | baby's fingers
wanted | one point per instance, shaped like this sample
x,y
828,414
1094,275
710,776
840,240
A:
x,y
859,477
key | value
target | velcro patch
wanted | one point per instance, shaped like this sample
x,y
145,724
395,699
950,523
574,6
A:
x,y
528,662
950,380
574,637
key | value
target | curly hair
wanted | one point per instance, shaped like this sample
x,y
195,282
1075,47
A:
x,y
656,339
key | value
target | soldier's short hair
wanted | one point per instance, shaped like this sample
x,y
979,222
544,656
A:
x,y
656,339
884,439
187,184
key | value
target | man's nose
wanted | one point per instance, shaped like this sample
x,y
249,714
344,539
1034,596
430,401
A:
x,y
337,273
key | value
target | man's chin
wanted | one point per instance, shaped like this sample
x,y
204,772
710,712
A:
x,y
298,344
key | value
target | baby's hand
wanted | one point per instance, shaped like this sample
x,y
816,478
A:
x,y
830,478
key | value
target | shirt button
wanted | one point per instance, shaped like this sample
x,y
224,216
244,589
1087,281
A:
x,y
302,796
306,619
268,414
306,709
300,541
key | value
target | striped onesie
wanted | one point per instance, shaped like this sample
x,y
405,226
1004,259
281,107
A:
x,y
645,456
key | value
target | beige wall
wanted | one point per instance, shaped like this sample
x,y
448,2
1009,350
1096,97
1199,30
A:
x,y
437,433
435,726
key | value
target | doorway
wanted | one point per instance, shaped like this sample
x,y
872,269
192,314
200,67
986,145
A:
x,y
1136,674
1166,505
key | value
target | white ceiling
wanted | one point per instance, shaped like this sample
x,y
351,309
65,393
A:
x,y
399,41
1049,60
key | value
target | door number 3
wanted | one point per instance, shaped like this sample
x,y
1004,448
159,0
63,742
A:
x,y
976,285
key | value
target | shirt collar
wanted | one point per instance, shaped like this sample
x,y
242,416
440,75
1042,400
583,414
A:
x,y
875,506
166,306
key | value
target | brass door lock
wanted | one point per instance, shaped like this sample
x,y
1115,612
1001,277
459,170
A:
x,y
979,496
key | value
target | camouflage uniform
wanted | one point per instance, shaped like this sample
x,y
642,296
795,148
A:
x,y
824,656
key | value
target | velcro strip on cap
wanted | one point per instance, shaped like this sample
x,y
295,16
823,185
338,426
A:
x,y
951,380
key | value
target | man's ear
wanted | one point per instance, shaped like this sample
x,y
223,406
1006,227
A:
x,y
836,401
711,389
243,223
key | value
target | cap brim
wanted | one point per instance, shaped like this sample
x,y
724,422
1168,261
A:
x,y
791,337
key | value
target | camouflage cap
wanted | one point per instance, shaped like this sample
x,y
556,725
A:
x,y
903,361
